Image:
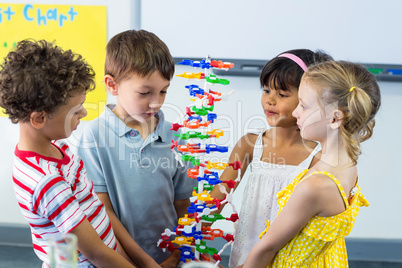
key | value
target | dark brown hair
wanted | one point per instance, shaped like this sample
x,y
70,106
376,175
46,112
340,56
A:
x,y
40,76
137,52
283,73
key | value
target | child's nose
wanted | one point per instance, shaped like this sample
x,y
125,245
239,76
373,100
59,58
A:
x,y
295,113
270,99
155,105
83,113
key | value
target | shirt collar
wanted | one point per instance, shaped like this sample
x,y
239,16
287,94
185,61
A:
x,y
122,129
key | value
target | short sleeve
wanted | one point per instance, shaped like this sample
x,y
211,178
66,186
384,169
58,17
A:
x,y
88,152
54,200
183,185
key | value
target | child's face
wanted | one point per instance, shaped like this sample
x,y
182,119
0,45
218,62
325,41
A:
x,y
278,106
67,117
139,98
310,114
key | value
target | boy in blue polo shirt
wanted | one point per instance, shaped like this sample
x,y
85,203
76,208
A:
x,y
127,149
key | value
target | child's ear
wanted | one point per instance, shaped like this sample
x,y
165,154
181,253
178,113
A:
x,y
38,119
336,120
110,84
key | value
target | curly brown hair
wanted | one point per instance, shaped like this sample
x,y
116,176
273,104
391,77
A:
x,y
40,76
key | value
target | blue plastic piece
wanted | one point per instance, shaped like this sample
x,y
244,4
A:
x,y
198,64
395,71
195,117
211,117
186,254
194,89
215,148
212,179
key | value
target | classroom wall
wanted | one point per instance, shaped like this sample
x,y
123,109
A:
x,y
378,166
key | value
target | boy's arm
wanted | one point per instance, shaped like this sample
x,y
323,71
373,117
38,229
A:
x,y
134,251
181,207
93,248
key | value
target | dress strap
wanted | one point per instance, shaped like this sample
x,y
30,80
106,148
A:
x,y
258,146
338,184
306,162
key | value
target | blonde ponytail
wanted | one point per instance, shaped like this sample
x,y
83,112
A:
x,y
357,95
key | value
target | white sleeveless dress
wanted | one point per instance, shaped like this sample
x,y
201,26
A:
x,y
260,202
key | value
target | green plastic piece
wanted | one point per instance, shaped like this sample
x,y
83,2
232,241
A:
x,y
202,248
375,70
206,187
214,80
213,218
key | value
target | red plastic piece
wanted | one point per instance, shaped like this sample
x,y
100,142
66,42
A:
x,y
230,183
233,217
236,165
216,257
228,237
176,126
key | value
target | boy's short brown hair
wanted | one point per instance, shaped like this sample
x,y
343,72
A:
x,y
137,52
40,76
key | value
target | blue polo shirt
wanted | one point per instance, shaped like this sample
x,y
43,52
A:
x,y
142,178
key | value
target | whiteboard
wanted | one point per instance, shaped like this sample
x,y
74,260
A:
x,y
365,31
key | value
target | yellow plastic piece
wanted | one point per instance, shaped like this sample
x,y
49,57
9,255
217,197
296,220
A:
x,y
217,132
185,220
203,196
190,75
216,165
182,240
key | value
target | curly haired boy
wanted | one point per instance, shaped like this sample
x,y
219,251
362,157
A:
x,y
43,88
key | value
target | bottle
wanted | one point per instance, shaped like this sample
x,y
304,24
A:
x,y
63,251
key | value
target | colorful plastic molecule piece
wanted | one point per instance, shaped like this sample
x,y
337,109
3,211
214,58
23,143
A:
x,y
186,254
203,196
213,217
195,125
176,126
180,240
186,220
215,148
189,135
196,208
202,248
203,110
192,75
222,65
194,161
211,117
194,89
197,64
215,133
214,80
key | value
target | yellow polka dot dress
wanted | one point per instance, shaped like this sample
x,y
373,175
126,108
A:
x,y
321,243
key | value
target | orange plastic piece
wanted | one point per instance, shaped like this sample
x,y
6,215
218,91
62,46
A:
x,y
222,65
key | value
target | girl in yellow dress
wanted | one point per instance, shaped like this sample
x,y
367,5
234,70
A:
x,y
337,105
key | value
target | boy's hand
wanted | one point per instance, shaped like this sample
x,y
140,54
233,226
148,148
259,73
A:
x,y
172,261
